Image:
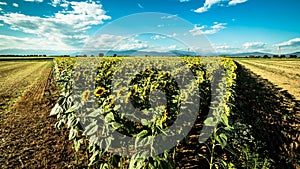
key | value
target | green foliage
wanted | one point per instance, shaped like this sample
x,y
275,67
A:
x,y
70,105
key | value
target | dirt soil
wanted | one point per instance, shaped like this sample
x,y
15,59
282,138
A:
x,y
28,138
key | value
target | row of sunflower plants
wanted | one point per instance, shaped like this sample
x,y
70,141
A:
x,y
118,107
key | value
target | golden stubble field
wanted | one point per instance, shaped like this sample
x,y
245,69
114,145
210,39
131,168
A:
x,y
282,72
28,138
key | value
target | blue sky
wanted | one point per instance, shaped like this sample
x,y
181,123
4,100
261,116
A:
x,y
228,26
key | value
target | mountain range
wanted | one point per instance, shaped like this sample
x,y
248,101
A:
x,y
125,53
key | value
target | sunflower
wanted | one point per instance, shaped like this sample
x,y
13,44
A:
x,y
60,68
78,76
86,72
99,91
85,95
112,101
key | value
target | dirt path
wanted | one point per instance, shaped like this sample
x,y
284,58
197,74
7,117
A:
x,y
28,138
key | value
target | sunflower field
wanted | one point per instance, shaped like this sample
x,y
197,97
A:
x,y
133,112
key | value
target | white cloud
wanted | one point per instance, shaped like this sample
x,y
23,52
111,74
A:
x,y
156,37
291,43
34,0
15,5
202,30
3,3
55,2
184,0
254,45
10,42
104,41
115,42
209,3
66,27
1,24
133,46
234,2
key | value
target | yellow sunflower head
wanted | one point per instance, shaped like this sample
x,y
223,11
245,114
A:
x,y
85,95
60,68
99,91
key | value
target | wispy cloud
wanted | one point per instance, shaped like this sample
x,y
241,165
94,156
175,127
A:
x,y
157,37
67,27
10,42
34,0
140,6
202,30
234,2
209,3
184,0
254,45
291,43
169,17
115,42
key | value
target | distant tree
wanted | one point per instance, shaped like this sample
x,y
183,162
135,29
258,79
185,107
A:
x,y
115,55
266,56
251,56
84,55
101,54
293,56
282,56
275,56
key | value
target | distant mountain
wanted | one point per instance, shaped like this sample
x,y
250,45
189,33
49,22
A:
x,y
134,53
295,53
249,54
125,53
258,54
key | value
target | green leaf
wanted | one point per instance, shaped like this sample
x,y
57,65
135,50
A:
x,y
210,122
72,121
77,144
92,130
73,133
109,117
142,133
95,157
56,110
222,140
144,122
116,125
72,109
95,113
224,119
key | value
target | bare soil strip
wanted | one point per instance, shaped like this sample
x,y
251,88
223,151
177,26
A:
x,y
28,138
